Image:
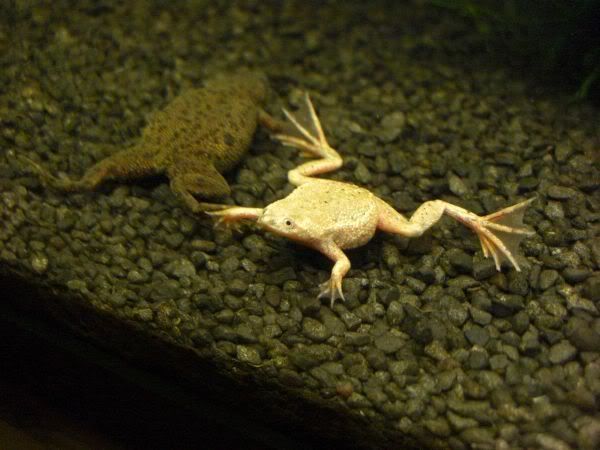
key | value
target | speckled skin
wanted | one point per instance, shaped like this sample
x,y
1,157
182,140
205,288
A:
x,y
201,134
331,216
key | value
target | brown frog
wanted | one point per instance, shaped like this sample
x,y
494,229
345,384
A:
x,y
201,134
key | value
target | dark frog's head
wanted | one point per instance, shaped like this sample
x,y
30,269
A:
x,y
256,84
244,82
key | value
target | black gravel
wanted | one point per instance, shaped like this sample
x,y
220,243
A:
x,y
432,345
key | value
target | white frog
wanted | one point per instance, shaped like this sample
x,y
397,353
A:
x,y
330,216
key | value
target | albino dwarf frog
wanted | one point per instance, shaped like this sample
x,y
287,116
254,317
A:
x,y
201,134
331,216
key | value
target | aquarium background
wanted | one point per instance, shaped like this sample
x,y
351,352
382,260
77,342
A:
x,y
558,43
433,348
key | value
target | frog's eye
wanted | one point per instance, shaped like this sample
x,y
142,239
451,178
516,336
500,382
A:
x,y
288,223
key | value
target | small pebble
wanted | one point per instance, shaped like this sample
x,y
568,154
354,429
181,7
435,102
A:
x,y
315,330
39,263
392,126
562,352
248,355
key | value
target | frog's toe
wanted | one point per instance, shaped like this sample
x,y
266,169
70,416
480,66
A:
x,y
500,233
218,222
332,289
231,216
207,207
305,131
223,218
45,177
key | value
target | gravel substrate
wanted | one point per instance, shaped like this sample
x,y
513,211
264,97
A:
x,y
432,344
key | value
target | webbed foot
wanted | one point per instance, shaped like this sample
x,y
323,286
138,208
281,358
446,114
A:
x,y
501,232
125,164
43,174
332,289
305,132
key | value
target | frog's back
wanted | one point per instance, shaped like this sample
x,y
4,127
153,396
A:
x,y
336,197
347,211
210,124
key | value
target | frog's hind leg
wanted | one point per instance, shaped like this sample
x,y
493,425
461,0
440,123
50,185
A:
x,y
130,163
306,133
499,233
189,179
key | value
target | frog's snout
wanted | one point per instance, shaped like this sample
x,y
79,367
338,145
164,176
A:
x,y
257,84
274,222
266,220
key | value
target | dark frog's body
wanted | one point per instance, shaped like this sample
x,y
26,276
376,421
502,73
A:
x,y
201,134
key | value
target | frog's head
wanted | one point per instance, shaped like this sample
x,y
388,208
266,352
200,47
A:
x,y
244,82
284,221
256,83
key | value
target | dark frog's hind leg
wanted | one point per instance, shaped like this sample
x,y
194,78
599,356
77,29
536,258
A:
x,y
131,163
190,179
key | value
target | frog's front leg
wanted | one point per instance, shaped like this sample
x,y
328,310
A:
x,y
332,288
233,215
499,233
271,123
306,133
189,178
